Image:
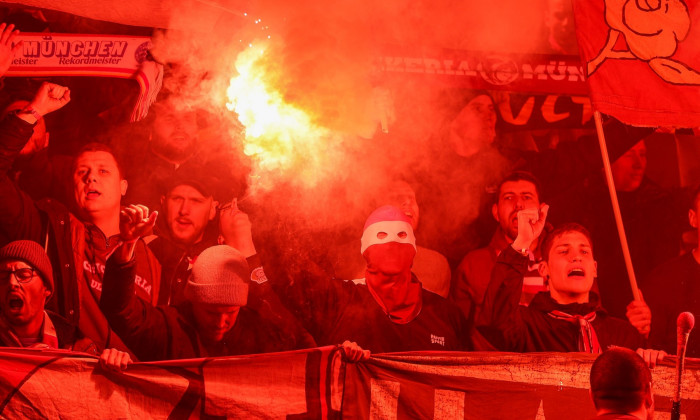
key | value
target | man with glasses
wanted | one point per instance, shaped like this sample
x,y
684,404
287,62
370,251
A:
x,y
26,284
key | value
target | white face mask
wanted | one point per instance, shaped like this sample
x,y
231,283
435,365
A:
x,y
387,231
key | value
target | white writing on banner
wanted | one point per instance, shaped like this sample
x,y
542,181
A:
x,y
497,70
74,49
384,402
449,405
540,412
548,109
68,53
660,415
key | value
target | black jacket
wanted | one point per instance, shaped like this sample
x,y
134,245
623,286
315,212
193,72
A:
x,y
170,332
512,327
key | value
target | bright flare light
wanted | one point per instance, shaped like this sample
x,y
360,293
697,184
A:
x,y
281,138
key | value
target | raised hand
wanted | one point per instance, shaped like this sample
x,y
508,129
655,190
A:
x,y
639,315
530,226
8,35
136,222
50,97
236,229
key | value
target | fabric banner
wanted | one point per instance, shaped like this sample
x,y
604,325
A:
x,y
126,57
642,59
532,386
519,111
83,55
51,385
531,92
308,384
533,73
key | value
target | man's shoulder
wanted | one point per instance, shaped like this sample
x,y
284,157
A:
x,y
180,314
477,258
621,330
355,287
61,218
66,333
485,254
59,213
477,255
260,334
59,322
431,255
433,300
680,264
615,322
53,207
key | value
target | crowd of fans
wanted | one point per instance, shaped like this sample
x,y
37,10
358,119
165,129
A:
x,y
161,264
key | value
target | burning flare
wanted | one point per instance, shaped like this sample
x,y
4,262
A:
x,y
282,139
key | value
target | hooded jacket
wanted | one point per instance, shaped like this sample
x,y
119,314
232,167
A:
x,y
512,327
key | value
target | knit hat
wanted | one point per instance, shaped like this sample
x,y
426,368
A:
x,y
219,276
33,254
387,224
194,176
453,101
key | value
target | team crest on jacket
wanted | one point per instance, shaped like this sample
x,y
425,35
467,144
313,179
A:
x,y
258,275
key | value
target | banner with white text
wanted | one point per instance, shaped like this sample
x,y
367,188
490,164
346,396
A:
x,y
533,386
308,384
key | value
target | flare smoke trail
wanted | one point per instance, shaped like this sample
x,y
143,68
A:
x,y
319,58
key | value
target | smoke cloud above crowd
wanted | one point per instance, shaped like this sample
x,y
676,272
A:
x,y
338,128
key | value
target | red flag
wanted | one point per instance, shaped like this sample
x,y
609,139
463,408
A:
x,y
642,59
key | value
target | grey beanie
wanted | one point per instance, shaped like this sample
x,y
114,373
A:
x,y
33,254
219,276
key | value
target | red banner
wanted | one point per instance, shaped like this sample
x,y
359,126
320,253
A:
x,y
307,385
642,59
531,73
290,385
532,386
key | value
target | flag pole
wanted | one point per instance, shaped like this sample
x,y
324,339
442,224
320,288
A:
x,y
616,206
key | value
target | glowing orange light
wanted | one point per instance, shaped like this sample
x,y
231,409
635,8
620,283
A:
x,y
281,138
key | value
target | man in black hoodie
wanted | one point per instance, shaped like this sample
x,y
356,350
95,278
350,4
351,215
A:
x,y
215,318
569,317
